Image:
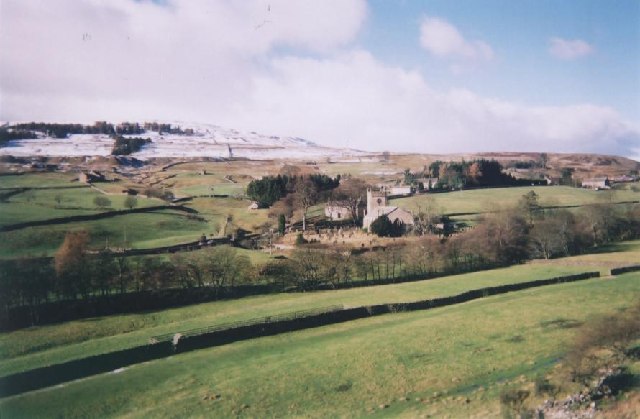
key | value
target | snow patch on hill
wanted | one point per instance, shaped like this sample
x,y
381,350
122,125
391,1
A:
x,y
206,141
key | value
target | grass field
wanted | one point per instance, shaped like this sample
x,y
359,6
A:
x,y
38,180
154,229
42,204
216,210
55,343
482,200
449,361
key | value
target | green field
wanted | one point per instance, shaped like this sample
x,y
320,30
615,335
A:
x,y
38,180
216,210
141,231
41,204
483,200
194,184
465,352
56,343
163,229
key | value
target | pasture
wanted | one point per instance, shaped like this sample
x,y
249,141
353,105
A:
x,y
448,361
51,344
57,343
139,231
484,200
46,203
38,180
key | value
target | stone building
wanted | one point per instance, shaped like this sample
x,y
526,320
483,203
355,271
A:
x,y
377,207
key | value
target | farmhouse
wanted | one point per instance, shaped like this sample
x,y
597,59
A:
x,y
337,211
401,190
91,176
596,183
377,207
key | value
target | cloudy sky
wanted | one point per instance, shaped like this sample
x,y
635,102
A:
x,y
430,76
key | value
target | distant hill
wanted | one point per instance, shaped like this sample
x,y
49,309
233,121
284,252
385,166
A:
x,y
183,140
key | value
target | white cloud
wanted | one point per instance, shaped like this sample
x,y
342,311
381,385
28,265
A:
x,y
75,57
442,39
353,99
569,49
287,69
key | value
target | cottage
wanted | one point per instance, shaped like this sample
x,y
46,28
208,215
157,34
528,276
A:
x,y
337,211
91,176
596,183
377,207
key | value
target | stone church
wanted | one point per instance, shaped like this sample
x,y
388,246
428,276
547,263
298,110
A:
x,y
377,206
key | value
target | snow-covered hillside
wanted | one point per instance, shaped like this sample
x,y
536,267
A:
x,y
205,141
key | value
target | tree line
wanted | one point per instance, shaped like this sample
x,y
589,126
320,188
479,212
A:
x,y
29,129
475,173
269,189
15,134
501,238
124,146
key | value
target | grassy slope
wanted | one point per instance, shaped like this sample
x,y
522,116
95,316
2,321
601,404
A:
x,y
216,210
55,343
38,180
154,229
41,204
480,200
350,369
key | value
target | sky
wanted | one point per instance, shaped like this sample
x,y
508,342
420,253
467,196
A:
x,y
432,76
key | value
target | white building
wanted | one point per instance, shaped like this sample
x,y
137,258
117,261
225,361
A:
x,y
337,211
401,190
596,183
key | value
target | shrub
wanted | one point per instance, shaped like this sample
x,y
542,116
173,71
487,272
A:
x,y
300,239
613,333
543,386
131,202
512,401
102,201
383,227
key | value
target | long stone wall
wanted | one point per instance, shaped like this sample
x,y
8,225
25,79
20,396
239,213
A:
x,y
185,341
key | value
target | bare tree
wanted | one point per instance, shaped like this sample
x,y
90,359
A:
x,y
223,267
428,212
306,195
71,264
352,192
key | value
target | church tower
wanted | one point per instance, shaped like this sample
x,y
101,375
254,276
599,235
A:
x,y
375,199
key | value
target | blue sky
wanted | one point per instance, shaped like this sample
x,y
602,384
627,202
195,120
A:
x,y
519,33
423,76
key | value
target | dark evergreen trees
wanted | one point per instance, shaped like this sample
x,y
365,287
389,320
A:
x,y
270,189
125,146
384,227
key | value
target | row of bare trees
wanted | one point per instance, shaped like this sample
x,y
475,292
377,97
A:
x,y
79,273
500,238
